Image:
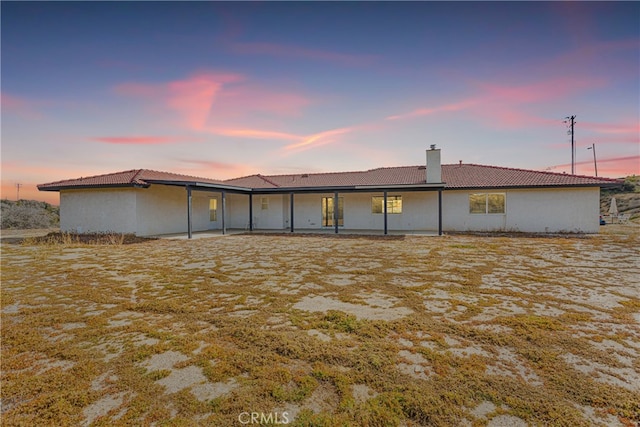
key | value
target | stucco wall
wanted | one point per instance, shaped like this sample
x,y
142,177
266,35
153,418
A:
x,y
98,210
162,209
419,211
544,210
272,218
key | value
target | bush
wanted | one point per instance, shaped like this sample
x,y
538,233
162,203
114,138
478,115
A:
x,y
26,214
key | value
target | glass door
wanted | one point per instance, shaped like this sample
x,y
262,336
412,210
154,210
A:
x,y
328,211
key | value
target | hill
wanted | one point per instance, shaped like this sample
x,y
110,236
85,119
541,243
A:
x,y
28,214
627,198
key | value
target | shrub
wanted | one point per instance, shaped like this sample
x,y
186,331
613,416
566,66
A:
x,y
26,214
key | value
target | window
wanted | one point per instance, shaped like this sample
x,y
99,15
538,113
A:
x,y
264,203
487,203
213,209
394,204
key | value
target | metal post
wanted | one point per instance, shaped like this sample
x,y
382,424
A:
x,y
224,204
384,210
291,207
250,212
440,212
595,164
335,211
189,212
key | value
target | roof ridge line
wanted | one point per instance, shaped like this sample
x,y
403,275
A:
x,y
134,178
267,180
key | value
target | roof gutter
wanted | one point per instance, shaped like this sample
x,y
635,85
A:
x,y
195,185
90,186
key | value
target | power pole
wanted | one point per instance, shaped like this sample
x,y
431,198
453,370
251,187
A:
x,y
595,163
571,120
18,191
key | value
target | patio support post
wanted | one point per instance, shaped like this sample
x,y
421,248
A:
x,y
384,210
250,212
335,211
189,212
440,212
224,206
291,207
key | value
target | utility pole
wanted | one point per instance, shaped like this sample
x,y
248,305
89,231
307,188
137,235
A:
x,y
571,120
595,163
18,185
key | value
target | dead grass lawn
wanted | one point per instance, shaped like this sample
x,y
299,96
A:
x,y
453,330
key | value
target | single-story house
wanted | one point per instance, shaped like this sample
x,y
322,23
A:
x,y
430,197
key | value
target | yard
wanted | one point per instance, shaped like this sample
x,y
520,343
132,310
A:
x,y
323,330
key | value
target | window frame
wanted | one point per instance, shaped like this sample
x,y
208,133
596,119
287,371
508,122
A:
x,y
264,203
394,204
474,205
213,213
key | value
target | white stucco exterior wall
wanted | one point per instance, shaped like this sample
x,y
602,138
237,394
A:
x,y
273,217
162,209
528,210
419,211
98,210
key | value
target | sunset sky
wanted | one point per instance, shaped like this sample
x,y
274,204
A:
x,y
222,90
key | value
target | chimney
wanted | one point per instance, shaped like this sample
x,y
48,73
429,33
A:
x,y
434,168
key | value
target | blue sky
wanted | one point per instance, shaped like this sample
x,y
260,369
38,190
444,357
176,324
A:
x,y
222,90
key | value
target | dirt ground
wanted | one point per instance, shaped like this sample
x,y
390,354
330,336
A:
x,y
311,330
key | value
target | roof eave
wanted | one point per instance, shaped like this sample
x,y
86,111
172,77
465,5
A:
x,y
89,186
350,188
196,184
533,187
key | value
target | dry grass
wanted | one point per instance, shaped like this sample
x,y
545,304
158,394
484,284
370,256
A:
x,y
457,330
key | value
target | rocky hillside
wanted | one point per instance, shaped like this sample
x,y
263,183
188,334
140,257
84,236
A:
x,y
28,214
627,198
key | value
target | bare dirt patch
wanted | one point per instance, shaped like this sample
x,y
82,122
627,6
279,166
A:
x,y
456,330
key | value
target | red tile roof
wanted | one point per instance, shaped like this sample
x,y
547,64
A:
x,y
130,178
480,176
455,176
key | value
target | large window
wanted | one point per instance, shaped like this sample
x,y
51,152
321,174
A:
x,y
487,203
213,209
394,204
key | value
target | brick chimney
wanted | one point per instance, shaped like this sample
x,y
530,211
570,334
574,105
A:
x,y
434,168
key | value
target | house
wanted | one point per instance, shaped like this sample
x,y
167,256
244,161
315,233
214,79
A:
x,y
431,197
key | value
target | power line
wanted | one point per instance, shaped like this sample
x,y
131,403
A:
x,y
18,185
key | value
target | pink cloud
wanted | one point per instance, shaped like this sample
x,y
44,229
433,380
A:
x,y
215,170
612,128
20,106
292,51
537,92
194,97
236,101
608,166
503,104
458,106
318,139
210,102
256,133
137,140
